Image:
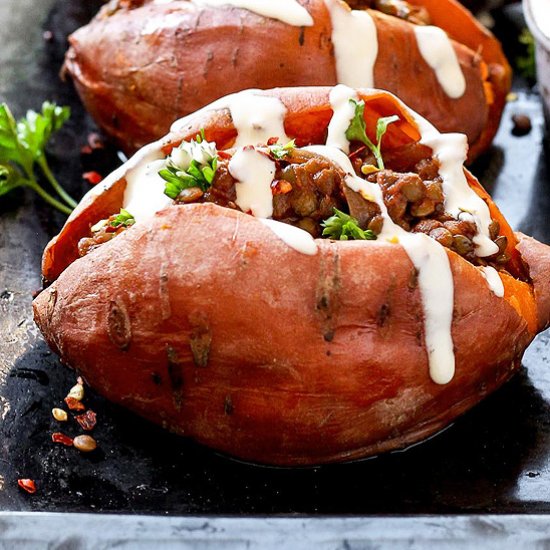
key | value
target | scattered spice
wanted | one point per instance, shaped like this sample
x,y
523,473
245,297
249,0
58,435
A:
x,y
85,443
522,125
93,177
77,391
59,414
74,404
86,150
87,420
27,485
58,437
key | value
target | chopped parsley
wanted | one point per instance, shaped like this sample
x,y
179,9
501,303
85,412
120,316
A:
x,y
343,227
279,152
357,130
191,164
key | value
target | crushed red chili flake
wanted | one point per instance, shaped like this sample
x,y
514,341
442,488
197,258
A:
x,y
74,404
27,485
58,437
224,155
87,420
93,178
86,150
272,140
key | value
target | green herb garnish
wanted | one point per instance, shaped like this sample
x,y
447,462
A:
x,y
192,164
357,130
124,219
23,146
344,227
279,151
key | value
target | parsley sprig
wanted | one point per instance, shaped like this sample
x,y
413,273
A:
x,y
343,227
192,164
23,147
279,152
357,130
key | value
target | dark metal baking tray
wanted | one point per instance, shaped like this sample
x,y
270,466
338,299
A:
x,y
493,460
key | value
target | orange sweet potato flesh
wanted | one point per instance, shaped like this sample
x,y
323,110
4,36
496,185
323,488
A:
x,y
139,69
200,319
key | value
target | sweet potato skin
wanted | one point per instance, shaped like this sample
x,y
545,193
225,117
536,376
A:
x,y
138,70
298,360
204,321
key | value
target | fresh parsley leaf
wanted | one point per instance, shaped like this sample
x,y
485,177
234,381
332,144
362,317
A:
x,y
22,146
357,130
35,129
123,219
9,179
343,227
279,151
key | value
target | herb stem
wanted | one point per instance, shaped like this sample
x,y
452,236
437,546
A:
x,y
47,197
43,163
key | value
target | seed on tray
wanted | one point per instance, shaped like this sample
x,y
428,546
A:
x,y
85,443
27,485
77,392
60,415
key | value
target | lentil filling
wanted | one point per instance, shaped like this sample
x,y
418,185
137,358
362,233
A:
x,y
308,187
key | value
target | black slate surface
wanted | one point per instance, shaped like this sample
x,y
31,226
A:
x,y
496,459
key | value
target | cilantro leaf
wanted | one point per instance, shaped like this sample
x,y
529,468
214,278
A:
x,y
343,227
357,130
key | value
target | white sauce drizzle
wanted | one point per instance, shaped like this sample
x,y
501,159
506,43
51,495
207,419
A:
x,y
435,279
254,172
144,194
296,238
438,52
257,118
287,11
493,280
355,43
344,111
461,201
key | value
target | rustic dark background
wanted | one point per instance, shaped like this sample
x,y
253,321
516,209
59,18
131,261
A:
x,y
494,459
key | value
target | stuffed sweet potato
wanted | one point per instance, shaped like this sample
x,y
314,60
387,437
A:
x,y
295,276
140,64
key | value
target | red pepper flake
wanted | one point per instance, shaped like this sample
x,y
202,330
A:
x,y
58,437
86,150
224,155
27,485
74,404
87,420
280,187
272,140
93,178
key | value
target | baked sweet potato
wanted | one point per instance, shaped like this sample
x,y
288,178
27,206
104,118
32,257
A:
x,y
141,64
217,325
